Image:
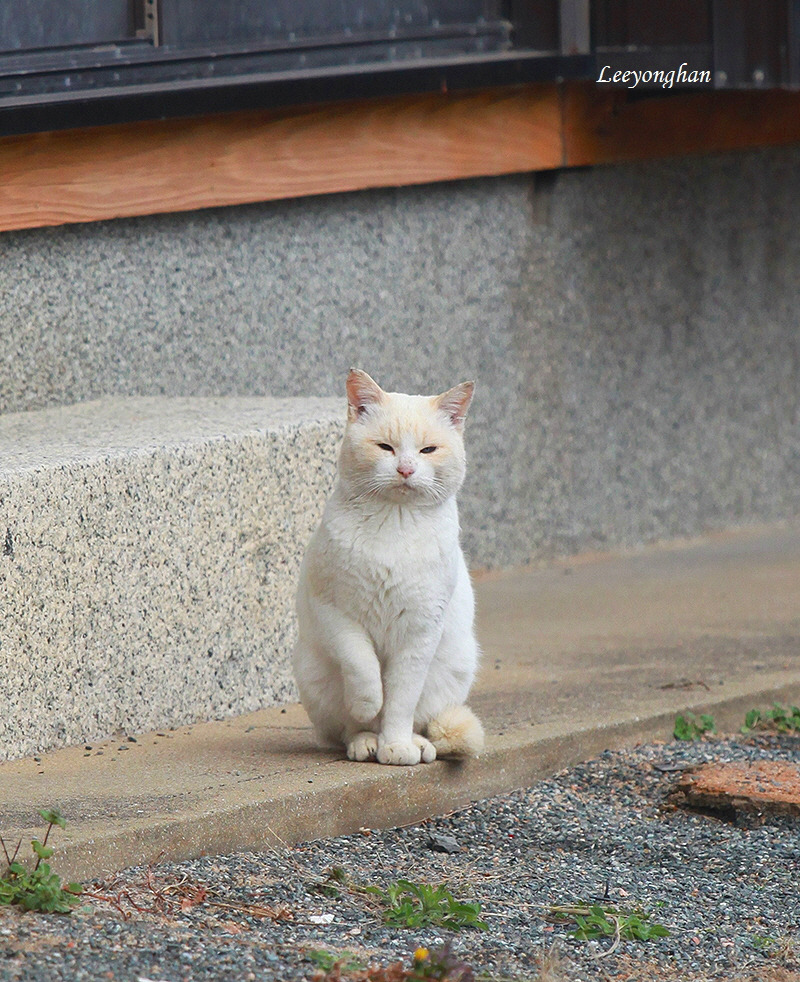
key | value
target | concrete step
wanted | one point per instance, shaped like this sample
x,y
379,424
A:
x,y
149,549
579,656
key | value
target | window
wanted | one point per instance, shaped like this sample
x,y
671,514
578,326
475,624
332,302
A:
x,y
37,24
82,62
67,63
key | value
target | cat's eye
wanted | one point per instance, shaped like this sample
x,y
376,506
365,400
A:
x,y
428,449
387,447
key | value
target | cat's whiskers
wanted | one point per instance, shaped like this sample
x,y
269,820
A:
x,y
370,488
437,490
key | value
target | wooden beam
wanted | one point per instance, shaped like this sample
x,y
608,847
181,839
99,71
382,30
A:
x,y
603,126
178,165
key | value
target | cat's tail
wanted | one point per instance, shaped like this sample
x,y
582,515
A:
x,y
456,732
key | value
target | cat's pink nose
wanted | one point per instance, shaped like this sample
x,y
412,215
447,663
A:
x,y
405,468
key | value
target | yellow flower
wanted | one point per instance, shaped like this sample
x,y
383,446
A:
x,y
421,955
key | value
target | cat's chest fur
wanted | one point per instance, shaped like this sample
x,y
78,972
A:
x,y
395,568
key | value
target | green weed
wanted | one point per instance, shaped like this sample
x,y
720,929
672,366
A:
x,y
784,949
335,880
325,960
418,905
594,922
691,727
784,719
763,942
37,888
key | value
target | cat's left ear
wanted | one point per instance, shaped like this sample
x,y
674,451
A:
x,y
455,403
362,392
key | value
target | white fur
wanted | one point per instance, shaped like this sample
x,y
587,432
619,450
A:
x,y
385,605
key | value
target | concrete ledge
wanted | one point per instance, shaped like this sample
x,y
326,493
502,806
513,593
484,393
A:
x,y
578,657
258,782
148,556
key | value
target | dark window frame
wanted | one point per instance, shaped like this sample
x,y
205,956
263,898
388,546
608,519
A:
x,y
149,76
154,72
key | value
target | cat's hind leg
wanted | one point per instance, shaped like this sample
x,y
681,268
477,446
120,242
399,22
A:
x,y
351,649
441,714
337,673
427,750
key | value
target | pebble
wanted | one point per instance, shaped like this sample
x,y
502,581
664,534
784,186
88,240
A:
x,y
443,843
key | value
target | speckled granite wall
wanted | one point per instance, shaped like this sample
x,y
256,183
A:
x,y
633,329
149,550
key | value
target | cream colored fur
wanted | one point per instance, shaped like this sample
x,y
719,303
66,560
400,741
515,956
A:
x,y
386,652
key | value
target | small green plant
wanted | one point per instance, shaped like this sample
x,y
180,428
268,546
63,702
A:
x,y
37,888
784,719
691,727
422,905
594,922
326,960
335,879
778,949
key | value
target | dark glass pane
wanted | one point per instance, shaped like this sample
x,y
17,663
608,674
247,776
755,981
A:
x,y
194,22
634,23
752,42
26,24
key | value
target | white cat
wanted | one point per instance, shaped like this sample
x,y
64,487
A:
x,y
386,652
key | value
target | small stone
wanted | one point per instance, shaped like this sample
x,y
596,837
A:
x,y
442,843
321,918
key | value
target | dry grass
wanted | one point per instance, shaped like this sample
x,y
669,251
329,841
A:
x,y
551,967
630,969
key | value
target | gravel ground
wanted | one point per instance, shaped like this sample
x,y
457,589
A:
x,y
728,896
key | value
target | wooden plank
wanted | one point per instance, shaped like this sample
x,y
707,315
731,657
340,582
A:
x,y
602,126
178,165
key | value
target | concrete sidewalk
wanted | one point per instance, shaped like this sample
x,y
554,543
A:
x,y
597,652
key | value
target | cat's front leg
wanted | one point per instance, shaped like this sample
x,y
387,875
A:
x,y
403,681
406,752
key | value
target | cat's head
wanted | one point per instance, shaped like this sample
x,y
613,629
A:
x,y
403,449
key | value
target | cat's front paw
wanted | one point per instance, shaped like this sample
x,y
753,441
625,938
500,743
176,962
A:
x,y
363,746
407,752
365,708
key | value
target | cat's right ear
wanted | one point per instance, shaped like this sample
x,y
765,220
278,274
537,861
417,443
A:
x,y
362,392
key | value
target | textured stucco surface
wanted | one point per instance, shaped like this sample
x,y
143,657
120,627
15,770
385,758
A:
x,y
149,550
633,330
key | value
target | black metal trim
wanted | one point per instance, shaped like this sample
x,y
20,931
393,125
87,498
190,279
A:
x,y
193,97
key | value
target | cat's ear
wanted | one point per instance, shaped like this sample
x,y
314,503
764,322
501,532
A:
x,y
362,392
455,403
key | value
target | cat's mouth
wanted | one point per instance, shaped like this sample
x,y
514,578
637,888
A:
x,y
406,490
